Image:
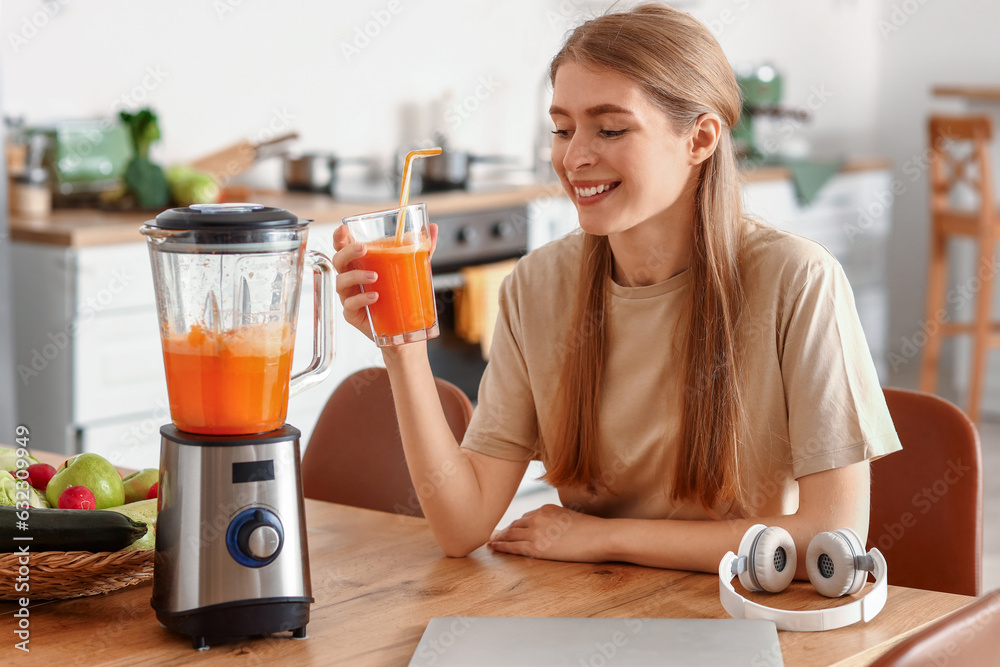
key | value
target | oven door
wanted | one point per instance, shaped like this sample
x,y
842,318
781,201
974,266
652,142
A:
x,y
464,241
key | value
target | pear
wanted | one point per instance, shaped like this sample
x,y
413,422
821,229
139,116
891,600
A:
x,y
145,512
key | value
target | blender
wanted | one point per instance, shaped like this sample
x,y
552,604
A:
x,y
231,556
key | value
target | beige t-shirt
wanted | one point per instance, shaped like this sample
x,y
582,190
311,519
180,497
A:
x,y
814,397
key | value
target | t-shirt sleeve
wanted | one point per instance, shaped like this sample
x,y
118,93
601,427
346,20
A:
x,y
837,413
505,423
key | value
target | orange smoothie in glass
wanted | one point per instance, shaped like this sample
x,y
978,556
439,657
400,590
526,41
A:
x,y
405,294
229,383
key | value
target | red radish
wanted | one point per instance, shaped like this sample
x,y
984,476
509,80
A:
x,y
39,475
77,498
153,491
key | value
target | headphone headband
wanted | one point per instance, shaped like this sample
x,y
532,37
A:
x,y
805,621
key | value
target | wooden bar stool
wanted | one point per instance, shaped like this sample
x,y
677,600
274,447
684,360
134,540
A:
x,y
980,222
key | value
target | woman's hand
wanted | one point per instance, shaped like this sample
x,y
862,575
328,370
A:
x,y
554,533
350,279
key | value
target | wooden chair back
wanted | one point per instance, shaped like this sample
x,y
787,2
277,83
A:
x,y
927,500
355,455
952,166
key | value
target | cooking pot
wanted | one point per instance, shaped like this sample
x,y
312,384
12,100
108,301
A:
x,y
450,170
314,172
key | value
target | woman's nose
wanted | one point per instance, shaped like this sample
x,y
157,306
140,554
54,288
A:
x,y
579,154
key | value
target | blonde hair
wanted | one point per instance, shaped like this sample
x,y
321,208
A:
x,y
682,69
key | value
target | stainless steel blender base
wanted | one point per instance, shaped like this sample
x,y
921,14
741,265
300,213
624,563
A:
x,y
231,555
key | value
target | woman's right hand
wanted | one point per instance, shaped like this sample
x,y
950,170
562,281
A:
x,y
350,280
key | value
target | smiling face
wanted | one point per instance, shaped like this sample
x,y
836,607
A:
x,y
616,154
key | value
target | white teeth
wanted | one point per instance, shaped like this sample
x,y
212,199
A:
x,y
590,192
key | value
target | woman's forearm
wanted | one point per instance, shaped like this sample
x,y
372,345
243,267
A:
x,y
444,478
828,500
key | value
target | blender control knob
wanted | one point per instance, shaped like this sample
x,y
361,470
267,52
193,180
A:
x,y
263,542
255,537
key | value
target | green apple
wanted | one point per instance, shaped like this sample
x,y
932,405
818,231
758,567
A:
x,y
137,484
144,511
92,471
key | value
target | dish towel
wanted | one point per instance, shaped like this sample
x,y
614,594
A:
x,y
808,176
476,304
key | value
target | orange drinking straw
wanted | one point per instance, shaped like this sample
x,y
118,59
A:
x,y
404,188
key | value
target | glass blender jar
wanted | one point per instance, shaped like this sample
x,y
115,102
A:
x,y
227,280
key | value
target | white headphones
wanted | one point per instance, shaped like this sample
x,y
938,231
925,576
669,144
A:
x,y
837,565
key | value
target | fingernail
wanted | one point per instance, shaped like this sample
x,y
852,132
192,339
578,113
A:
x,y
371,275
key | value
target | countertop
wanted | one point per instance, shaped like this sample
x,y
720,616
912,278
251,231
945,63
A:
x,y
92,227
977,93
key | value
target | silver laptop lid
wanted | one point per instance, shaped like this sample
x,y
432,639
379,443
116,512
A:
x,y
476,641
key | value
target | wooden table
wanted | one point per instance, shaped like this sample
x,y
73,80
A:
x,y
378,578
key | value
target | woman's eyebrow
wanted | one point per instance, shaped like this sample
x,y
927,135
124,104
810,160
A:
x,y
599,110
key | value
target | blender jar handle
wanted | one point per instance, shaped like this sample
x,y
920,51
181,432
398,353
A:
x,y
323,325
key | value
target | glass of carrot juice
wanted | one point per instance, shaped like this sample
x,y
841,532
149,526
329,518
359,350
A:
x,y
399,245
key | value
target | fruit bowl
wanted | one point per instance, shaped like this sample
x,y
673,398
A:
x,y
58,575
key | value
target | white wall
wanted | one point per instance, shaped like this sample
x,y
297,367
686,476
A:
x,y
217,73
226,72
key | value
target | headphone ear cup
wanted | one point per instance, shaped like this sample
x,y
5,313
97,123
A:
x,y
830,562
771,559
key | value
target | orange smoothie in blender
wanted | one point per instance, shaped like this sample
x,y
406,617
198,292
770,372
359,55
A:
x,y
230,382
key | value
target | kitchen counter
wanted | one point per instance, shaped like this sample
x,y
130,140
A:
x,y
90,227
975,93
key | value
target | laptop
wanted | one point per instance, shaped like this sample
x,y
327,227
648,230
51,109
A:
x,y
478,641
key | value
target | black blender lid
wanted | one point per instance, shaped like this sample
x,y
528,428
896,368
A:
x,y
225,216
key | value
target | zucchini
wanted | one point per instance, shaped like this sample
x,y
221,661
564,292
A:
x,y
67,530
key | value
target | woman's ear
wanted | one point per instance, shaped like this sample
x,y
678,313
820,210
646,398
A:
x,y
704,138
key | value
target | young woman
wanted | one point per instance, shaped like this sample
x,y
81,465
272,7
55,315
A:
x,y
681,370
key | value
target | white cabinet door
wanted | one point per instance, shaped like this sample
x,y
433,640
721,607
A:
x,y
118,367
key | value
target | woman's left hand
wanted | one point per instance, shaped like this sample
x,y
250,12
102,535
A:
x,y
554,533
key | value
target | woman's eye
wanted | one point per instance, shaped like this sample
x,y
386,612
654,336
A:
x,y
561,133
611,134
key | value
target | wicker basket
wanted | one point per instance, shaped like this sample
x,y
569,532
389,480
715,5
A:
x,y
57,575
